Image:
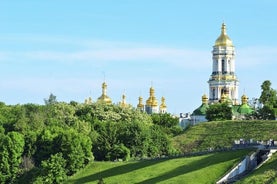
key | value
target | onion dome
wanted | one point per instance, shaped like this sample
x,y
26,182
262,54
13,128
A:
x,y
152,101
104,98
244,108
244,99
204,99
223,39
88,101
123,101
200,111
163,105
140,105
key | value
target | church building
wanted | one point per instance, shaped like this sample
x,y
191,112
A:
x,y
223,82
151,106
223,79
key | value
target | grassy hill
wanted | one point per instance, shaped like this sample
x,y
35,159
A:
x,y
199,169
222,134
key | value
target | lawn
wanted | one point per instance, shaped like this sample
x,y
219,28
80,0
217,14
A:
x,y
198,169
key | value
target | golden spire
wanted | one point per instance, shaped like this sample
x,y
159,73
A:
x,y
163,105
104,98
88,101
152,101
123,101
140,104
244,99
223,39
204,99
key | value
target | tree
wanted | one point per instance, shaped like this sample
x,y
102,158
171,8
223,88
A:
x,y
11,149
269,100
52,170
268,96
76,149
51,100
119,152
265,113
165,120
169,123
219,111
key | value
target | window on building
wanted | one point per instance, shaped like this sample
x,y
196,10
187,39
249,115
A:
x,y
222,66
213,93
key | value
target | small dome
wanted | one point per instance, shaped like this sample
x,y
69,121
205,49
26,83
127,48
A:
x,y
244,99
223,39
204,99
152,101
104,97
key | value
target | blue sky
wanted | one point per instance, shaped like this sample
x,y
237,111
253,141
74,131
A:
x,y
69,48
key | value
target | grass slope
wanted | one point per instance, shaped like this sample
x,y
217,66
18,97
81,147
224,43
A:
x,y
267,173
199,169
222,134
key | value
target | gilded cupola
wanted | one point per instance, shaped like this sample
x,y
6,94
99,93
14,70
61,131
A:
x,y
140,105
152,101
204,99
163,105
104,98
223,39
244,99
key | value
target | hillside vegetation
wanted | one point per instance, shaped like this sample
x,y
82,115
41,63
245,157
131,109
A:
x,y
221,134
199,169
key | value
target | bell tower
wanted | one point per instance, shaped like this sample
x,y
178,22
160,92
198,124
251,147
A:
x,y
223,80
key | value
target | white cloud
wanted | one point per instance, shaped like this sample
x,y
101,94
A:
x,y
255,56
184,58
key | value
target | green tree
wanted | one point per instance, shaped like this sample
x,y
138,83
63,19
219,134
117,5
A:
x,y
76,149
165,120
169,123
51,100
269,100
52,169
119,152
268,96
265,113
135,136
159,143
44,144
107,137
11,149
219,111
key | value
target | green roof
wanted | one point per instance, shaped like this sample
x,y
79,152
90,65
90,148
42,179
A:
x,y
245,109
201,110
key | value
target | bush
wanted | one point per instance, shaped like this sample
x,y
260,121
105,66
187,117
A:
x,y
52,170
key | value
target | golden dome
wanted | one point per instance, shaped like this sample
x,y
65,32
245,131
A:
x,y
223,39
140,104
104,98
244,99
163,104
152,101
123,102
204,99
88,101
